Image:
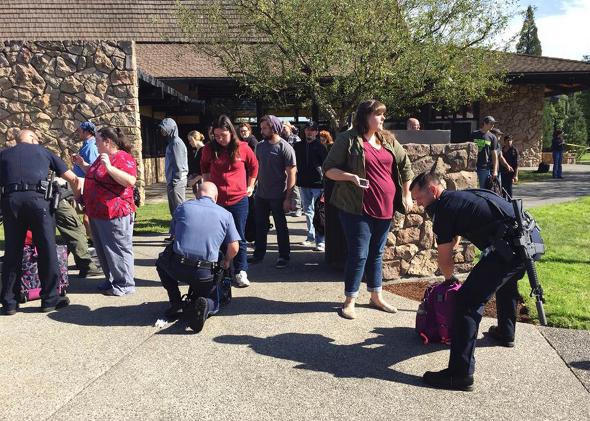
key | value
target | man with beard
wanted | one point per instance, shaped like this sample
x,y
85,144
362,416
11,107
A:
x,y
276,180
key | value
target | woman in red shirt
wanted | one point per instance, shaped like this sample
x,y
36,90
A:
x,y
233,167
108,201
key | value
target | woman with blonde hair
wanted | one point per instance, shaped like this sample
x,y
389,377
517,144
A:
x,y
196,141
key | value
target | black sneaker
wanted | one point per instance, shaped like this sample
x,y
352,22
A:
x,y
255,259
445,380
61,303
281,263
195,313
174,311
496,334
9,311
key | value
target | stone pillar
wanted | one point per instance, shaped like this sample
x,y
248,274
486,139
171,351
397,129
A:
x,y
520,113
54,86
410,249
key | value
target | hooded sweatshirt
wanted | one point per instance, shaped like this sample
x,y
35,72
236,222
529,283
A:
x,y
176,162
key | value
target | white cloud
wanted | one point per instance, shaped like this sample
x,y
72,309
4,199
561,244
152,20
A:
x,y
566,35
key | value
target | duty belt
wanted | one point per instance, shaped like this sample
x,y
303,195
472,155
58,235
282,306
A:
x,y
198,264
22,187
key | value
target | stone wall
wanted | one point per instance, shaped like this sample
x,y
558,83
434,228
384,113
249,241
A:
x,y
54,86
410,249
520,113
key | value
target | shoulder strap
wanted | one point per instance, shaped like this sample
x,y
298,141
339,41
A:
x,y
491,203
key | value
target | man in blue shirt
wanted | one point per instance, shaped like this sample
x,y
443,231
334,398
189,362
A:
x,y
88,151
200,227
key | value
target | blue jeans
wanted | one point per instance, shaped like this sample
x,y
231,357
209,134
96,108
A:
x,y
365,240
308,197
240,213
263,209
482,176
557,158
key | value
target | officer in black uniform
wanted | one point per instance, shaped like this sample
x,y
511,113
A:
x,y
22,169
468,214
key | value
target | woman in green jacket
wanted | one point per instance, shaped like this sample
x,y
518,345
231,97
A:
x,y
372,175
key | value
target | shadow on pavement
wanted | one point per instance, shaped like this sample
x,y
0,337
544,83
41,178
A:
x,y
255,305
90,286
138,315
371,358
581,365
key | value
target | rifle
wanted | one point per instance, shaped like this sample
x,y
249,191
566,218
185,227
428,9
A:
x,y
527,249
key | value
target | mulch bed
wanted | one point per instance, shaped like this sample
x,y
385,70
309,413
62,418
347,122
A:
x,y
415,291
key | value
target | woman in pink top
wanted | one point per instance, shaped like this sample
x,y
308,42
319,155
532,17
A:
x,y
108,202
233,167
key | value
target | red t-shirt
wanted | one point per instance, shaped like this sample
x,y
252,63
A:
x,y
379,197
230,178
104,198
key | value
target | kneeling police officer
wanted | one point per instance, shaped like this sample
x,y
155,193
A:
x,y
200,228
470,214
23,172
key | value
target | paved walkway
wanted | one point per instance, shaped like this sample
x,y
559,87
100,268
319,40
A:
x,y
278,352
575,183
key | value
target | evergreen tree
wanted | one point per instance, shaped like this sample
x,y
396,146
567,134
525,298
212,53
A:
x,y
528,42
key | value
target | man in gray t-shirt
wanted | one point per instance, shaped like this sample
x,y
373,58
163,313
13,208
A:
x,y
276,179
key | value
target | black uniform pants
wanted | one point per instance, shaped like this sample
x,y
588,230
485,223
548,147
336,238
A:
x,y
171,273
22,211
491,275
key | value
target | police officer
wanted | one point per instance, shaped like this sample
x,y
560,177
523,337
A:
x,y
22,169
200,227
468,214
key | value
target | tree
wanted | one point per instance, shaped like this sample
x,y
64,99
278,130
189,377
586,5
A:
x,y
339,52
584,101
529,43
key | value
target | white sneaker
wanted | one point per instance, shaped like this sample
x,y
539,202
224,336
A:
x,y
241,279
308,243
320,247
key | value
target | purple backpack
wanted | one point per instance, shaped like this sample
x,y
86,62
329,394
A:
x,y
30,287
435,314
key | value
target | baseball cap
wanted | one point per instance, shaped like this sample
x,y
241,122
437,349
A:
x,y
88,126
489,119
311,125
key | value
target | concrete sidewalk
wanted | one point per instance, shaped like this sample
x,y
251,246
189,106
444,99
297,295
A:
x,y
278,352
574,184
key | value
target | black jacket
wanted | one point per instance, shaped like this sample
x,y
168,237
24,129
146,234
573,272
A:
x,y
310,157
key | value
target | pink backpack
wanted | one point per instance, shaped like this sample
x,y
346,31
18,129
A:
x,y
435,314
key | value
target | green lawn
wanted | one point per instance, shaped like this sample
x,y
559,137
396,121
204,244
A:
x,y
564,271
585,159
152,218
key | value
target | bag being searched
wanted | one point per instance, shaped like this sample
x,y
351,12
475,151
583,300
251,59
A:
x,y
434,319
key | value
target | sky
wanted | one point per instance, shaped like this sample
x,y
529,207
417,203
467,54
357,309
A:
x,y
563,26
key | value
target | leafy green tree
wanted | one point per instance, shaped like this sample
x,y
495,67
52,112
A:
x,y
584,101
575,124
339,52
528,42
